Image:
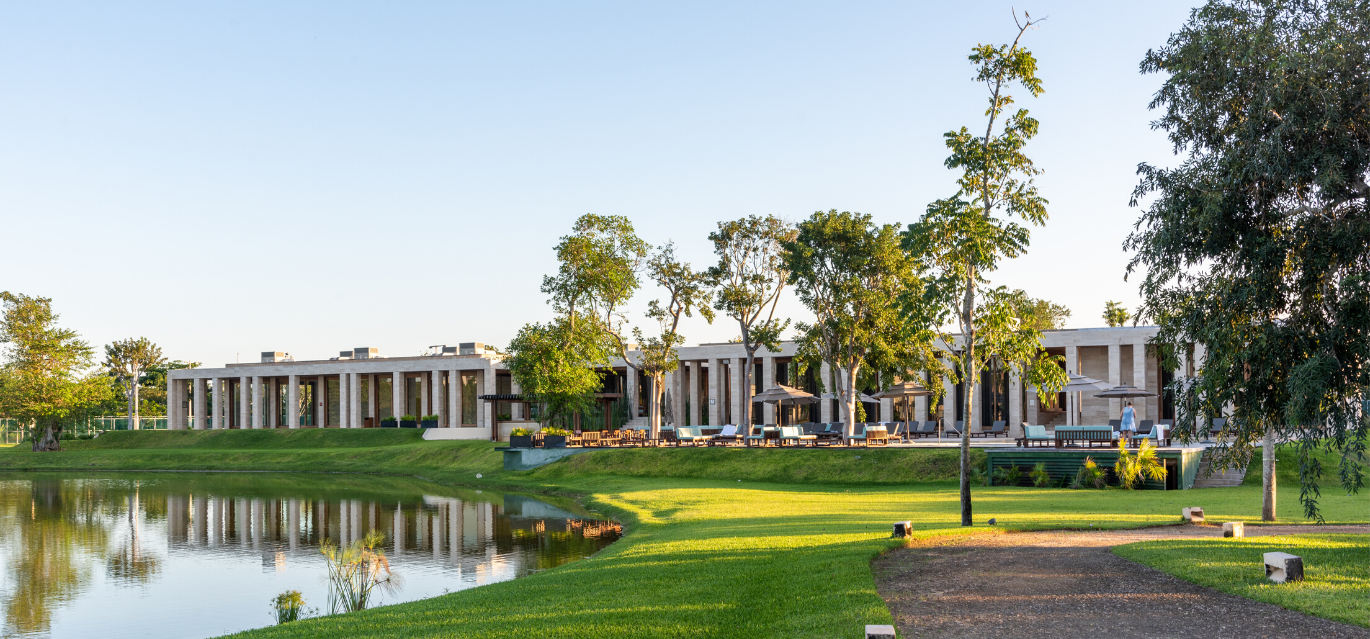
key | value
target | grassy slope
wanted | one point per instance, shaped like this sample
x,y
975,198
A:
x,y
707,556
1336,570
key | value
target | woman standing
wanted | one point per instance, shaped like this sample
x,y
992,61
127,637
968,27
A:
x,y
1126,429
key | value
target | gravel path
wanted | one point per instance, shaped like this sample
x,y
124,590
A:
x,y
1069,584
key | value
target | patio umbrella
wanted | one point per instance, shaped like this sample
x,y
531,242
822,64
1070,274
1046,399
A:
x,y
1079,384
1125,391
780,392
905,390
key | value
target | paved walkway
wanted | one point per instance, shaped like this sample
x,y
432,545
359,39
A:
x,y
1069,584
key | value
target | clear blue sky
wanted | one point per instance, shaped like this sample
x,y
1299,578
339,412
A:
x,y
230,178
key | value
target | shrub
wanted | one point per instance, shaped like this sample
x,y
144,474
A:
x,y
1131,468
1040,477
978,476
355,572
1008,475
520,432
553,430
288,606
1089,475
408,418
430,418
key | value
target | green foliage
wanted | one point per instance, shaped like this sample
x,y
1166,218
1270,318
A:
x,y
408,418
46,378
1008,475
429,418
1115,314
1334,586
1257,245
1041,315
555,364
388,420
848,272
1040,477
686,293
1089,476
520,432
979,477
356,573
1133,468
747,281
126,360
288,606
552,430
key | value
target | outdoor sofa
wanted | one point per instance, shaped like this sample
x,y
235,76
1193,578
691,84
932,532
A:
x,y
1034,435
794,435
1088,435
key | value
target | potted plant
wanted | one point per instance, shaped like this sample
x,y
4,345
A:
x,y
520,438
409,421
429,421
389,422
554,437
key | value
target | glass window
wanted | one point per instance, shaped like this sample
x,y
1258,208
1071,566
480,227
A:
x,y
364,396
468,398
334,414
384,396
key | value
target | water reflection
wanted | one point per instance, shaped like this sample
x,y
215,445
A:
x,y
197,555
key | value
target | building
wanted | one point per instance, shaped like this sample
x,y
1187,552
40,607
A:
x,y
469,390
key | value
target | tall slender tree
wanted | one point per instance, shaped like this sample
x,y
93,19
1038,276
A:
x,y
48,375
1257,246
747,282
126,361
687,293
965,236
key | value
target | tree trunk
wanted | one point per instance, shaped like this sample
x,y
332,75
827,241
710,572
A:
x,y
48,437
135,425
654,411
970,374
747,386
849,427
1268,472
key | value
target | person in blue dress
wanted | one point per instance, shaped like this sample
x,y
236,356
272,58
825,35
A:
x,y
1129,419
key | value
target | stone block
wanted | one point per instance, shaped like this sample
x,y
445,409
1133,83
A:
x,y
877,631
903,528
1234,529
1282,566
1194,515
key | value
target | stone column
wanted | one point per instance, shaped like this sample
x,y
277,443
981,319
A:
x,y
886,405
948,404
293,522
345,399
515,408
292,401
489,383
244,403
273,400
1072,366
439,408
715,392
1115,377
216,403
825,380
920,404
321,402
1139,378
692,379
258,408
742,392
454,418
630,375
373,401
425,392
354,395
197,391
397,407
677,387
1015,404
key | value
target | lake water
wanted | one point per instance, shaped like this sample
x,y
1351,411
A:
x,y
203,554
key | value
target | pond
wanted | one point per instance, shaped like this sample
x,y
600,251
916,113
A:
x,y
203,554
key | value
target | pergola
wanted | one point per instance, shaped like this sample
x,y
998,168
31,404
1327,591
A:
x,y
518,398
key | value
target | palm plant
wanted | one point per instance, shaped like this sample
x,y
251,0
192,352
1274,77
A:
x,y
1089,475
1040,477
1131,468
288,606
355,572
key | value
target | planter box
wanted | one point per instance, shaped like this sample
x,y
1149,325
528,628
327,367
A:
x,y
554,441
385,424
429,424
520,441
404,423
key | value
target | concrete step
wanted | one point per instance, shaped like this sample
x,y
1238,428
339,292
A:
x,y
1228,477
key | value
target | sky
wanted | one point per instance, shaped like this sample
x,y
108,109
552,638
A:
x,y
231,178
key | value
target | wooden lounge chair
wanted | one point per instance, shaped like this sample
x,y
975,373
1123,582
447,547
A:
x,y
902,432
1144,426
830,434
1216,427
1034,435
726,436
860,435
954,430
794,435
929,428
997,430
1163,429
589,438
757,435
877,434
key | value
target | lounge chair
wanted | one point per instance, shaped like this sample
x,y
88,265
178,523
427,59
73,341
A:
x,y
1216,428
860,435
954,430
758,435
830,434
795,436
1163,429
1115,424
997,430
900,431
727,436
1034,434
1144,427
929,428
691,435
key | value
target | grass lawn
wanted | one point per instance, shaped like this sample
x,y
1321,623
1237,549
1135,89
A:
x,y
1336,570
784,552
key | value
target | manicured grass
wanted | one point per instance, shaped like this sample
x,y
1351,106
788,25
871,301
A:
x,y
704,554
1336,570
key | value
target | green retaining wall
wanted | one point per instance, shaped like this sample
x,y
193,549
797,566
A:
x,y
1063,464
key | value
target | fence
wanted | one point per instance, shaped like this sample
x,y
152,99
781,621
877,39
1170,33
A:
x,y
12,431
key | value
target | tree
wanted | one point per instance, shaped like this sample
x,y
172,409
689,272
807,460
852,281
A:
x,y
852,274
1039,314
962,238
126,361
747,282
46,378
1257,246
1115,314
557,363
686,293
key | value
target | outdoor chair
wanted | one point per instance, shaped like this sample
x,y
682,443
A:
x,y
692,435
876,433
795,436
929,428
1144,428
758,435
900,432
668,436
726,436
860,434
1217,426
1115,424
1034,434
589,438
954,430
831,433
997,430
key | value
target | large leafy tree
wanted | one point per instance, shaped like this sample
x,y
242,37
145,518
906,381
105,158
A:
x,y
126,361
48,376
965,236
747,282
852,273
1257,245
555,365
1043,315
687,293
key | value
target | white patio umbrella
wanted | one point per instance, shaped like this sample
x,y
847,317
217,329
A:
x,y
780,392
1125,391
1080,384
905,390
